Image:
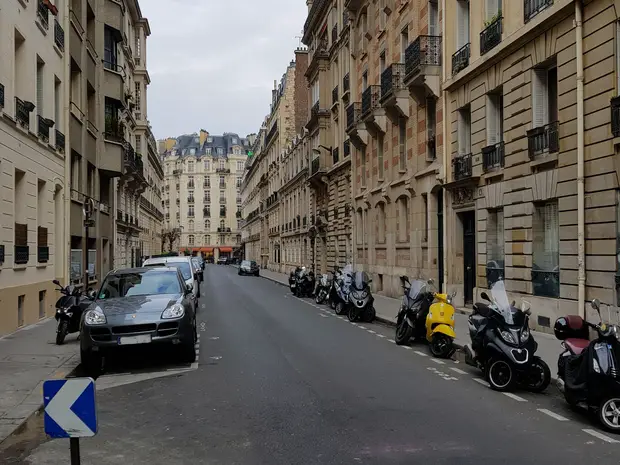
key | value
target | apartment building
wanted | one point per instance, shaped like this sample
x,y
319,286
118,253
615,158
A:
x,y
532,125
326,33
251,228
33,125
151,216
202,192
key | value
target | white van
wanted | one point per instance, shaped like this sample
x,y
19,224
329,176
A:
x,y
185,265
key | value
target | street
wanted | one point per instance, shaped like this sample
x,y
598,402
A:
x,y
283,381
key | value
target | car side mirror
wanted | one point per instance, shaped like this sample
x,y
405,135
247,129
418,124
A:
x,y
92,294
196,276
484,295
56,282
189,288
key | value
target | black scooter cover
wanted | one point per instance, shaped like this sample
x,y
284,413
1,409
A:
x,y
578,369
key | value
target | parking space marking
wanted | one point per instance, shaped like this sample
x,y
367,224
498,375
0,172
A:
x,y
421,354
481,381
552,414
362,327
600,436
437,361
371,331
404,347
380,335
323,316
459,371
514,396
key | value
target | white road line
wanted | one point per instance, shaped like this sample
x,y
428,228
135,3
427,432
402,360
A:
x,y
324,316
392,341
404,347
514,396
481,381
362,327
600,436
552,415
380,335
371,331
437,361
421,354
459,371
355,324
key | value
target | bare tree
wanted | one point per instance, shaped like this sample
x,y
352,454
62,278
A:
x,y
170,236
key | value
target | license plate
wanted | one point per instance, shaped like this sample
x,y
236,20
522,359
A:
x,y
132,340
292,285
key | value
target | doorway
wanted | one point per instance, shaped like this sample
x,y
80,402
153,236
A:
x,y
469,255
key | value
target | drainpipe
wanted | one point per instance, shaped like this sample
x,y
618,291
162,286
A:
x,y
65,129
444,152
580,162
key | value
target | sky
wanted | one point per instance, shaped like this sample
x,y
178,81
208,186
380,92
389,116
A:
x,y
213,62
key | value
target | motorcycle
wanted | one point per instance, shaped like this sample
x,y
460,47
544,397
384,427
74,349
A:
x,y
360,302
343,289
322,288
440,326
588,370
502,345
69,310
292,279
304,283
332,295
411,319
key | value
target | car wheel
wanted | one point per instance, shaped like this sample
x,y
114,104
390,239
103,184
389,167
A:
x,y
188,350
91,363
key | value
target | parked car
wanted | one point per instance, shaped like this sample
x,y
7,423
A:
x,y
198,268
187,270
249,267
222,261
148,305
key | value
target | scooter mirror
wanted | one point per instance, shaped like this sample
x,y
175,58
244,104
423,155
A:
x,y
92,294
596,304
483,295
56,282
525,307
431,281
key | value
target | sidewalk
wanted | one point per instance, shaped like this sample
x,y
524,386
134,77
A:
x,y
28,357
387,309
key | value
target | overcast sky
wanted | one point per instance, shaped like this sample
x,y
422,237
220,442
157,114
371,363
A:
x,y
212,62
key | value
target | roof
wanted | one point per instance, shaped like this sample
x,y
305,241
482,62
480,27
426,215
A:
x,y
187,143
139,269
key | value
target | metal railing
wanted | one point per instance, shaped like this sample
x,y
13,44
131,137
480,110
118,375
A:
x,y
615,116
462,167
335,95
347,148
392,78
532,7
425,50
22,113
59,35
354,112
460,59
493,156
370,99
543,139
43,128
22,254
491,36
336,155
60,141
43,13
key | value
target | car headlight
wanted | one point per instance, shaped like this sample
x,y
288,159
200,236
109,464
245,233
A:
x,y
95,317
507,336
176,311
525,335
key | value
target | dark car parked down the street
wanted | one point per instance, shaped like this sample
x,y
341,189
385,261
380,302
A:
x,y
249,267
139,306
222,261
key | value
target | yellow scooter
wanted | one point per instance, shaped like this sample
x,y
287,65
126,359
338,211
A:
x,y
440,326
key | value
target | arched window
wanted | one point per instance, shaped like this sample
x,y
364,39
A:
x,y
207,225
380,223
402,220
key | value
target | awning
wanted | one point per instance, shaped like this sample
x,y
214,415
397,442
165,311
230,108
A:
x,y
225,249
207,249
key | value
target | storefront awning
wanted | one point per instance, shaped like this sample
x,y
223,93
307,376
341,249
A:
x,y
207,249
225,249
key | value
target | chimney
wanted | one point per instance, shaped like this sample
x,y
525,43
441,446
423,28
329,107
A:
x,y
203,136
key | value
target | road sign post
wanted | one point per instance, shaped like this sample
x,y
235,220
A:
x,y
70,411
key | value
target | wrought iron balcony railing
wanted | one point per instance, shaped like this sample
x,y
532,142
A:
x,y
335,95
59,35
22,254
491,36
462,167
615,116
460,59
493,156
315,165
354,113
532,7
43,128
346,83
370,99
43,13
425,50
392,79
22,112
60,141
543,139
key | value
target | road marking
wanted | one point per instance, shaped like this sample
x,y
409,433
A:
x,y
481,381
600,436
355,324
371,331
341,318
552,415
459,371
216,357
380,335
323,316
514,396
404,347
362,327
437,361
392,341
421,354
214,338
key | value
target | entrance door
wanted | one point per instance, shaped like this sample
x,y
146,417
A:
x,y
469,255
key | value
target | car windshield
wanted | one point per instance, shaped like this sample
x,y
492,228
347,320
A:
x,y
245,263
183,266
147,282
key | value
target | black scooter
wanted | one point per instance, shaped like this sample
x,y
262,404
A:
x,y
411,319
324,284
69,310
305,282
588,371
360,305
292,279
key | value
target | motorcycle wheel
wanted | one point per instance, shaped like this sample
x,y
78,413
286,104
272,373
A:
x,y
539,377
339,308
353,314
332,305
500,375
370,315
319,298
62,332
609,413
441,345
403,333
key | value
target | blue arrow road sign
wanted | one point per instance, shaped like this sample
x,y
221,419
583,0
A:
x,y
70,408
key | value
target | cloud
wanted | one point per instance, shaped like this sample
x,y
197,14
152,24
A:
x,y
213,62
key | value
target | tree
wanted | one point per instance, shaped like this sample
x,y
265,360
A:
x,y
170,236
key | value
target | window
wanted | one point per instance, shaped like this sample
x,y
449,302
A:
x,y
234,141
222,164
209,139
365,80
546,250
381,223
495,118
192,152
222,181
40,86
57,101
544,96
207,225
112,127
239,180
191,225
207,180
208,152
363,167
220,151
462,23
222,196
41,304
493,7
495,246
20,310
190,166
207,167
138,96
431,124
207,239
359,226
404,43
240,165
424,222
138,143
110,48
382,62
402,143
433,18
402,226
380,147
315,92
138,45
190,211
207,196
464,131
190,239
222,224
383,17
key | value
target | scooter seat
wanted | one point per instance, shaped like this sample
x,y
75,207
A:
x,y
477,320
576,346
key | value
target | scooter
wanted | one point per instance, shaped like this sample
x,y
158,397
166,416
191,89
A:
x,y
343,289
411,319
322,289
440,326
292,279
332,295
588,371
360,303
69,310
502,345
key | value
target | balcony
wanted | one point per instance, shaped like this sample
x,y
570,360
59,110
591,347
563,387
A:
x,y
372,113
315,113
22,112
59,35
346,85
460,59
532,7
43,128
493,157
176,172
190,200
423,67
22,254
543,140
346,149
462,167
320,52
315,166
491,36
223,170
113,130
394,93
114,81
223,213
334,97
60,141
357,132
615,116
336,155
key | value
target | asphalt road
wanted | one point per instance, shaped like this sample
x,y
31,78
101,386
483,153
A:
x,y
282,381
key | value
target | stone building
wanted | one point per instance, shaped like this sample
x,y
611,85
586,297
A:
x,y
251,236
202,192
532,125
394,120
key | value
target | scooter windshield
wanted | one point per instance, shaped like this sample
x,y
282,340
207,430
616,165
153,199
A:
x,y
417,286
501,302
360,280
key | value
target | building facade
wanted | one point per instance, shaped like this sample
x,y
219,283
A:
x,y
251,232
33,125
202,192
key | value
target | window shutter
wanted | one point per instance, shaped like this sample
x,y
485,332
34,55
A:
x,y
462,23
540,98
492,7
491,121
432,18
